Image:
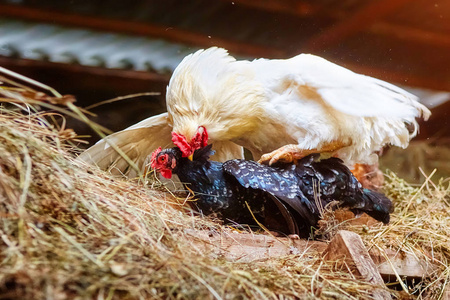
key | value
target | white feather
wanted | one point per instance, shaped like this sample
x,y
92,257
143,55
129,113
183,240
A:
x,y
137,142
265,104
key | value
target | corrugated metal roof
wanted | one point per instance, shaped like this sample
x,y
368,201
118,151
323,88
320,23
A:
x,y
222,19
89,48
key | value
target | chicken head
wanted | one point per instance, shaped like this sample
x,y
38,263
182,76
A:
x,y
163,162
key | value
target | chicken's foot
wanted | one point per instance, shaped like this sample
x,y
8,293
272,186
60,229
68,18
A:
x,y
291,153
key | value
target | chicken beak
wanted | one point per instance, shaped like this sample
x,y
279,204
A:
x,y
191,157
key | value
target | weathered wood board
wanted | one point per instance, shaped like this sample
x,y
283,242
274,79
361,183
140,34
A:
x,y
248,247
347,249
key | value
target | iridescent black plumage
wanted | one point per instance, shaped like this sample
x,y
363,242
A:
x,y
216,191
295,193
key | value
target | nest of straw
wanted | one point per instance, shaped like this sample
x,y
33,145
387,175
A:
x,y
70,231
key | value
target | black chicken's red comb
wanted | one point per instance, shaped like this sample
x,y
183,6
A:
x,y
154,155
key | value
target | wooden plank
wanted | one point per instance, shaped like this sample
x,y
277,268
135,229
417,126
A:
x,y
347,248
404,264
357,22
446,293
248,247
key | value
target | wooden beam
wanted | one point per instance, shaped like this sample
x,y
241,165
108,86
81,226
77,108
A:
x,y
291,7
137,28
120,73
413,80
434,39
75,79
407,79
357,22
438,126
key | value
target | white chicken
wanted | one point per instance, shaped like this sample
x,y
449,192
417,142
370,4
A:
x,y
280,110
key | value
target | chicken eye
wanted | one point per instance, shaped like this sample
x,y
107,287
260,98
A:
x,y
162,158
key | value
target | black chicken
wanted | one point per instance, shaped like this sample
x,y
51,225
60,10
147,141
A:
x,y
286,198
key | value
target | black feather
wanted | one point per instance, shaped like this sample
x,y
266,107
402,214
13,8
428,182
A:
x,y
294,193
202,155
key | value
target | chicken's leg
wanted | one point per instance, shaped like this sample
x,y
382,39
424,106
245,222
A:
x,y
292,153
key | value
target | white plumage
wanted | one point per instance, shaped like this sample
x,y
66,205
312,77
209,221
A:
x,y
264,104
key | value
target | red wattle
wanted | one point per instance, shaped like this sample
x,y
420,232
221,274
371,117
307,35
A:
x,y
166,173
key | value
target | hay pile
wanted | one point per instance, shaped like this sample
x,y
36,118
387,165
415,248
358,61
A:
x,y
72,232
430,156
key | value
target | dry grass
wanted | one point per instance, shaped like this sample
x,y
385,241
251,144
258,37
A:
x,y
428,155
68,231
419,226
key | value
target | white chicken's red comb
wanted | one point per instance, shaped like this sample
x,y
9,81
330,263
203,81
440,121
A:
x,y
181,142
